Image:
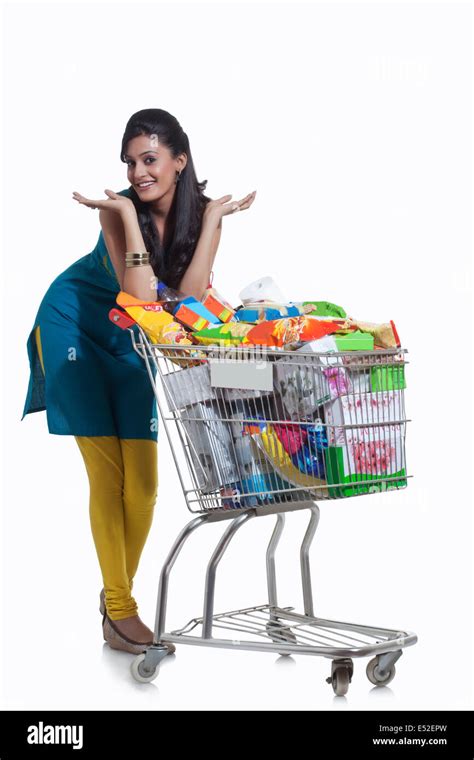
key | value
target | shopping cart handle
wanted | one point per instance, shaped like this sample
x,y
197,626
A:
x,y
121,319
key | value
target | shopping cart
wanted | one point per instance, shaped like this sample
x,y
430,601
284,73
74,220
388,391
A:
x,y
257,432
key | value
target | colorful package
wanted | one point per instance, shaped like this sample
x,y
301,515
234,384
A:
x,y
359,461
301,387
217,305
309,459
149,315
224,335
264,312
276,455
380,412
324,309
194,314
385,335
291,330
292,437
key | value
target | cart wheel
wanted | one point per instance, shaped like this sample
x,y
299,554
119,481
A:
x,y
374,676
284,635
340,681
138,671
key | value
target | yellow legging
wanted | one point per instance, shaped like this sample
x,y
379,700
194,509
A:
x,y
123,479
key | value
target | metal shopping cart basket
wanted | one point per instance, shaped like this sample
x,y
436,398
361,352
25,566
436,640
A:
x,y
257,432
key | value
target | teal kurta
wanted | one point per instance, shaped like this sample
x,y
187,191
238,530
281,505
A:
x,y
94,383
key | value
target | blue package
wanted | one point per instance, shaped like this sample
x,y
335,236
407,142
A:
x,y
198,308
310,459
268,313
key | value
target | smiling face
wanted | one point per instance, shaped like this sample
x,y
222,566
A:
x,y
152,168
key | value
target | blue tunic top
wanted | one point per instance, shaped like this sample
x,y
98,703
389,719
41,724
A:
x,y
94,382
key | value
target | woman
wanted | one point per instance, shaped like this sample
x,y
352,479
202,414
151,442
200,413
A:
x,y
84,371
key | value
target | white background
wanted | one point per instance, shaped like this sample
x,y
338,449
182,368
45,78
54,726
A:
x,y
353,122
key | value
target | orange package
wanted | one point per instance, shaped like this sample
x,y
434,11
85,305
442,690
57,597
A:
x,y
158,324
289,330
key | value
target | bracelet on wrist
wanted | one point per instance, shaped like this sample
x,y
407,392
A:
x,y
137,259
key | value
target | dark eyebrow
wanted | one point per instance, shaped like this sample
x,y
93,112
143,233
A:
x,y
141,154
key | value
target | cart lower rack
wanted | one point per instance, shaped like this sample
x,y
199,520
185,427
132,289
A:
x,y
254,433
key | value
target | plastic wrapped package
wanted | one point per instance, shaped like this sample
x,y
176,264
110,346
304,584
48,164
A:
x,y
303,388
273,451
210,446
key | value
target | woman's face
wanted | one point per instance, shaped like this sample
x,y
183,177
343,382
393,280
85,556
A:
x,y
151,167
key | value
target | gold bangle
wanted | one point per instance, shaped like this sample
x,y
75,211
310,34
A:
x,y
135,259
129,264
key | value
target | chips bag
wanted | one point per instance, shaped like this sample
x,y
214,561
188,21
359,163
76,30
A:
x,y
228,334
292,330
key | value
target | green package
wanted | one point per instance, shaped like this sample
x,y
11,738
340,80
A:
x,y
325,309
387,377
354,341
354,484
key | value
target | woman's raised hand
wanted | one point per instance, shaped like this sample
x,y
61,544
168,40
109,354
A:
x,y
222,206
115,202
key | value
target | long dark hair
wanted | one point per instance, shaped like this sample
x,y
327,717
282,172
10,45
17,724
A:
x,y
184,221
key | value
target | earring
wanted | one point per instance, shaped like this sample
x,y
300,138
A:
x,y
178,175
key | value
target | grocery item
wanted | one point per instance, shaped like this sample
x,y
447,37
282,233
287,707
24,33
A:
x,y
381,409
354,341
263,289
149,315
210,446
168,297
225,335
385,335
292,437
217,305
291,330
309,459
262,312
272,449
324,309
302,388
358,461
194,314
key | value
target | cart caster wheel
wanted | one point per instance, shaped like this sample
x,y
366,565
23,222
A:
x,y
340,681
140,673
285,635
341,676
375,677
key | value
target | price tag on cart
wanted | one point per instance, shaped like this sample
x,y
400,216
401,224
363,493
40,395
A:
x,y
245,375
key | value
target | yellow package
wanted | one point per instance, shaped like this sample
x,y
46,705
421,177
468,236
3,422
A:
x,y
272,448
148,314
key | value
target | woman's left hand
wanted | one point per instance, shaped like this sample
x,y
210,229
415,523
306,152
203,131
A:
x,y
120,204
222,206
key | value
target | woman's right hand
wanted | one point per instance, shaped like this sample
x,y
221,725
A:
x,y
119,204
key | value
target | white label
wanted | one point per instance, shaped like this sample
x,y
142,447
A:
x,y
251,376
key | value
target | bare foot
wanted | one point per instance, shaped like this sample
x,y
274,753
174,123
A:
x,y
134,628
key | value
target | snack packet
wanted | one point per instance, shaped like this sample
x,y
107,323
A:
x,y
217,305
225,335
292,330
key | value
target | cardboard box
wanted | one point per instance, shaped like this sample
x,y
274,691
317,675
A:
x,y
373,452
379,412
194,314
352,465
217,305
355,341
